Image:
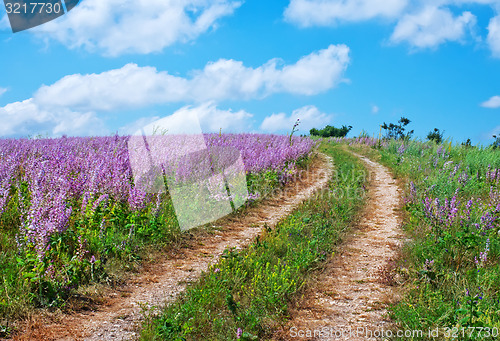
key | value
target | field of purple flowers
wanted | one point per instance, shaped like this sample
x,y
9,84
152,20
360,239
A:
x,y
69,207
451,266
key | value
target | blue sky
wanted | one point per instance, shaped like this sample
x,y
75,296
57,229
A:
x,y
256,66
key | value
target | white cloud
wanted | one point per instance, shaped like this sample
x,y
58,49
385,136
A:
x,y
2,91
129,86
432,26
309,116
133,127
494,36
115,27
134,86
180,122
420,23
229,79
375,109
79,124
211,119
326,13
26,118
492,103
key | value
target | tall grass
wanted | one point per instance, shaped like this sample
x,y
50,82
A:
x,y
451,266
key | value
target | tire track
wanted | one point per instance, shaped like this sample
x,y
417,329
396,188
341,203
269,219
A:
x,y
348,300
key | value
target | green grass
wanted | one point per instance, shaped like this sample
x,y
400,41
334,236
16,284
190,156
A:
x,y
246,294
451,266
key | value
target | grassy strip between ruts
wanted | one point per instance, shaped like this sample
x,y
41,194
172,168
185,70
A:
x,y
451,265
245,295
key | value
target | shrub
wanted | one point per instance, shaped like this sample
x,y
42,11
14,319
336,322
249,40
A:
x,y
331,131
397,131
436,136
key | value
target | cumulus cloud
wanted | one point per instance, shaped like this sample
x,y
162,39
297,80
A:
x,y
115,27
309,116
420,23
135,86
129,86
494,36
432,26
211,119
26,118
133,127
132,86
326,13
492,103
312,74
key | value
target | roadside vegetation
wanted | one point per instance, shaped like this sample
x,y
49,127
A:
x,y
451,266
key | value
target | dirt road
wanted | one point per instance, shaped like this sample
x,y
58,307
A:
x,y
348,300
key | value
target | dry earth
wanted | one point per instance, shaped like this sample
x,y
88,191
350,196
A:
x,y
158,284
348,300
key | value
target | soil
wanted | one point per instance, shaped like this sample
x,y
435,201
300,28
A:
x,y
119,314
348,300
